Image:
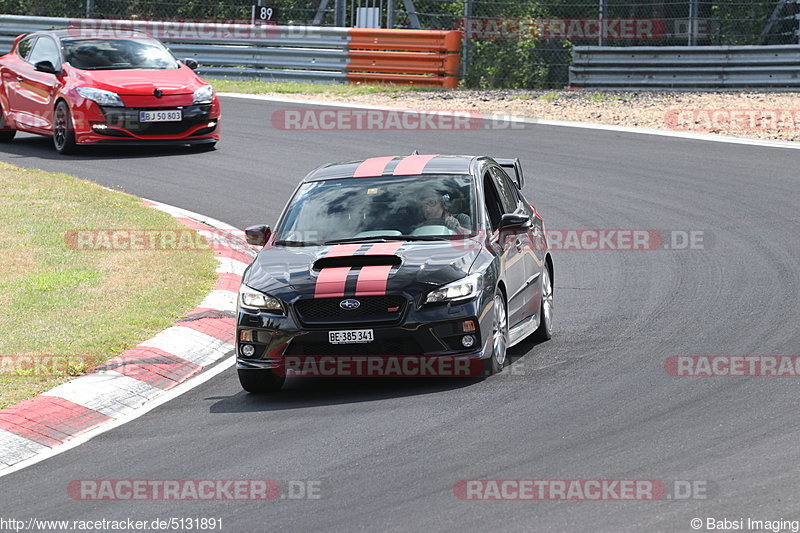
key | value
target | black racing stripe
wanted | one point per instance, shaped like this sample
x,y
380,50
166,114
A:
x,y
389,170
364,248
352,281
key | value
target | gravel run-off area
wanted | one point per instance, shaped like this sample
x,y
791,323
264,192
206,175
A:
x,y
761,115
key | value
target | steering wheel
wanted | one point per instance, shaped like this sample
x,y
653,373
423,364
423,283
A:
x,y
433,222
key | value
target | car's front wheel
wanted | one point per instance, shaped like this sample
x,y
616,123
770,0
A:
x,y
497,361
260,381
63,129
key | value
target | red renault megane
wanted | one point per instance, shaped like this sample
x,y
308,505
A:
x,y
81,90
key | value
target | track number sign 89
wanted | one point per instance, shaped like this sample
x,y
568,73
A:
x,y
353,336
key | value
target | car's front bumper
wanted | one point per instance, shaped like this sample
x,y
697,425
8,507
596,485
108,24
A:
x,y
120,125
419,336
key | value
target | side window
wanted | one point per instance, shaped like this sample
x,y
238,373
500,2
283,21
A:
x,y
506,190
493,205
24,47
45,49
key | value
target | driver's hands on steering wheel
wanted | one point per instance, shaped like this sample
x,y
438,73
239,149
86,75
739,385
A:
x,y
452,223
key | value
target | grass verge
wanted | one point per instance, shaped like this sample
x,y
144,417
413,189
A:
x,y
59,301
294,87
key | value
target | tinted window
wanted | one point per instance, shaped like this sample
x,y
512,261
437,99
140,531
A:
x,y
493,206
24,47
109,54
386,206
45,49
506,190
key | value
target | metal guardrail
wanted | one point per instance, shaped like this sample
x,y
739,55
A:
x,y
233,51
281,53
685,66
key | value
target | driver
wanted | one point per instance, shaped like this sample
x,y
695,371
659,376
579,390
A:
x,y
434,209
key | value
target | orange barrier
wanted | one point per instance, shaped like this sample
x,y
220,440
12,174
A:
x,y
408,57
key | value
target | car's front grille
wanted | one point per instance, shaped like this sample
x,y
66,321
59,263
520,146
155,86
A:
x,y
327,311
404,346
128,119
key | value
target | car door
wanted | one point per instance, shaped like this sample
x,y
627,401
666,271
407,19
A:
x,y
37,90
534,248
12,65
521,267
498,203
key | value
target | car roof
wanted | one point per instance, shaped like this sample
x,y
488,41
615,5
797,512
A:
x,y
86,33
398,165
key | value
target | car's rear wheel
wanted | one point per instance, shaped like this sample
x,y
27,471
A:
x,y
260,381
6,135
497,361
63,129
545,330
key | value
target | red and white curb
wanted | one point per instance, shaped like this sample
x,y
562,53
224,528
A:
x,y
140,378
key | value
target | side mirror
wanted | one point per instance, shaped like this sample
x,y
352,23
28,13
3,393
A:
x,y
191,63
45,66
512,221
257,235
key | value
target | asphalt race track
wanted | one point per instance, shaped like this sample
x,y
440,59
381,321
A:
x,y
593,403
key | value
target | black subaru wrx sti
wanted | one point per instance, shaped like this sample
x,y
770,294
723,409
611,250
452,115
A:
x,y
403,258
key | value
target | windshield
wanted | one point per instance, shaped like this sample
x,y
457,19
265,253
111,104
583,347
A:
x,y
416,207
110,54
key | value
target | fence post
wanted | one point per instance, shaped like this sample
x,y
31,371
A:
x,y
89,9
390,14
465,40
601,16
692,30
339,11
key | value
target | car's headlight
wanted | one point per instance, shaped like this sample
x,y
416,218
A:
x,y
101,97
253,299
462,289
203,95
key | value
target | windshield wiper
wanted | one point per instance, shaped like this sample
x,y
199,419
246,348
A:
x,y
388,238
422,238
296,243
375,238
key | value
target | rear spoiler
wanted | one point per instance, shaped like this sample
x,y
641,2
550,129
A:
x,y
515,165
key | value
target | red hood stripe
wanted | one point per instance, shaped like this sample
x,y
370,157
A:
x,y
372,280
384,248
331,282
413,164
373,167
343,250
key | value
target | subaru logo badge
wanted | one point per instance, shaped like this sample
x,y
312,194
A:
x,y
349,304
